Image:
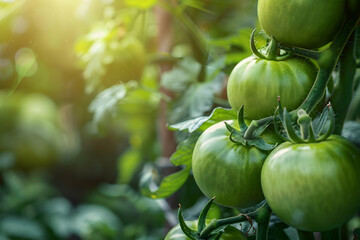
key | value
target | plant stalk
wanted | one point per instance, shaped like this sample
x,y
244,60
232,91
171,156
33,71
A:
x,y
263,219
327,61
344,89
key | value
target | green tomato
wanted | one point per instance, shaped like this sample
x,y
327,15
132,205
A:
x,y
256,83
231,233
313,186
226,170
302,23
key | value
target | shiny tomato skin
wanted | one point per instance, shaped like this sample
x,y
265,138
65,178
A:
x,y
226,170
302,23
231,233
256,83
314,186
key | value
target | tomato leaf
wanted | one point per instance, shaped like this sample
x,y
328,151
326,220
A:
x,y
124,103
194,97
182,75
105,104
197,99
171,183
128,163
200,124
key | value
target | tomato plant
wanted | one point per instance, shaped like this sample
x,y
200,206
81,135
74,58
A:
x,y
230,233
305,24
313,186
256,83
227,170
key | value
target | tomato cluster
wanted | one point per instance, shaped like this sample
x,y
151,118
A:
x,y
312,186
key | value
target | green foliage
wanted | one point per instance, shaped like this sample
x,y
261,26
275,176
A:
x,y
111,212
182,156
171,183
105,105
194,96
31,130
109,55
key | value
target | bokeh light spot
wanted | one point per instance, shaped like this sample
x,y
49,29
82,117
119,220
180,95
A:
x,y
25,62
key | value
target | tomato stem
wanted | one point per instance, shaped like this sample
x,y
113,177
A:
x,y
344,89
301,51
328,59
263,219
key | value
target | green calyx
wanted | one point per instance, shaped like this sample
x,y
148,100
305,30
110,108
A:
x,y
305,130
196,235
249,136
216,227
272,50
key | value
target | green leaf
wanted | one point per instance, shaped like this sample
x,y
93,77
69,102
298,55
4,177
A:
x,y
106,102
171,183
19,227
118,100
88,218
182,75
128,163
197,99
202,123
143,4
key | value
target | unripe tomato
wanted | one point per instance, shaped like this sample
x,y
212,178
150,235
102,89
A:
x,y
226,170
256,83
231,233
313,186
302,23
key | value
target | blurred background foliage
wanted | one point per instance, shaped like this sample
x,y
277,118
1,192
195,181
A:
x,y
81,90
